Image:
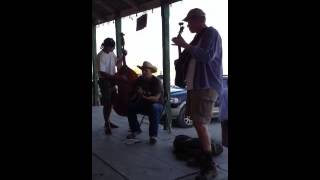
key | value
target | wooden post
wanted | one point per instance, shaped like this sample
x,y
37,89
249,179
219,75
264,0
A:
x,y
166,60
94,66
118,36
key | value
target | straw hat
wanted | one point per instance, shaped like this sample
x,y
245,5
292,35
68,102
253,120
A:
x,y
147,64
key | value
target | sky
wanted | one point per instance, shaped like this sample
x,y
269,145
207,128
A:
x,y
146,44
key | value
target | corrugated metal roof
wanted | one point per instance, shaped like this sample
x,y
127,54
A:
x,y
108,10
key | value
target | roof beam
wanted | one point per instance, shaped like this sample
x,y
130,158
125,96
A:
x,y
131,3
128,11
105,6
143,7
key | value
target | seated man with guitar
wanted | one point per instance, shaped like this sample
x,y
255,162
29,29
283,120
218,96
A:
x,y
147,99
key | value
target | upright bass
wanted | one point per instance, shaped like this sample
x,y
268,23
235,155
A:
x,y
124,84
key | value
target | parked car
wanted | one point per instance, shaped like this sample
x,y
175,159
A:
x,y
178,98
178,107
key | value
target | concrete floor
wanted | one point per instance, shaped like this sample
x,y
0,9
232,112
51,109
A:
x,y
113,159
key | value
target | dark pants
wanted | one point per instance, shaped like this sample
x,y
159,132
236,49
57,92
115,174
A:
x,y
106,89
224,125
152,110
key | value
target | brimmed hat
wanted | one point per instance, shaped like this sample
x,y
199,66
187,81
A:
x,y
196,12
147,64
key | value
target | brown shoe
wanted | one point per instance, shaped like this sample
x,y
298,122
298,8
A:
x,y
107,131
152,140
193,162
113,125
133,135
208,168
206,174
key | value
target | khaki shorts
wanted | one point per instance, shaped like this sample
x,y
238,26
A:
x,y
199,105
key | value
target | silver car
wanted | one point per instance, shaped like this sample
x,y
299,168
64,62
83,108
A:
x,y
178,107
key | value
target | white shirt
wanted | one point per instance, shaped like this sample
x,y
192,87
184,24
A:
x,y
107,62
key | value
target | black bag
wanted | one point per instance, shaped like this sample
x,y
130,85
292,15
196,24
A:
x,y
186,148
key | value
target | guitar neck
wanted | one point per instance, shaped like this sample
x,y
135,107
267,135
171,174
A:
x,y
124,57
124,61
179,50
179,34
